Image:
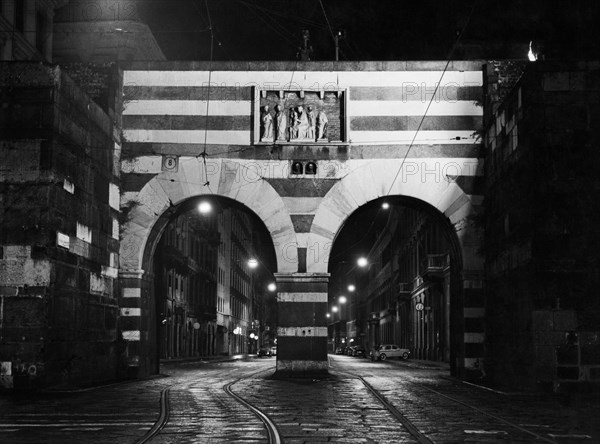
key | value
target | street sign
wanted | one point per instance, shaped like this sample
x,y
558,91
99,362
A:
x,y
170,163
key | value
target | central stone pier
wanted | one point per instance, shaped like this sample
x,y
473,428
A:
x,y
302,324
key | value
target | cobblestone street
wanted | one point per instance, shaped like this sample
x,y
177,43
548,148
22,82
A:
x,y
339,408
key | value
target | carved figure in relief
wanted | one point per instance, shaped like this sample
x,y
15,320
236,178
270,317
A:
x,y
280,123
322,122
312,122
301,123
293,125
267,125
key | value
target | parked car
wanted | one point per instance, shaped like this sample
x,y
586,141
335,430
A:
x,y
385,351
340,351
359,351
264,351
274,350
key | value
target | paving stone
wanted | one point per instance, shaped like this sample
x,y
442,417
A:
x,y
338,409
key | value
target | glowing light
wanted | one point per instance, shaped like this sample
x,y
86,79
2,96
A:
x,y
334,309
531,54
204,207
351,287
252,263
385,205
328,315
342,299
252,335
362,262
271,287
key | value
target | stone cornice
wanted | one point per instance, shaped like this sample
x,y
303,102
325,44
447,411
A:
x,y
433,65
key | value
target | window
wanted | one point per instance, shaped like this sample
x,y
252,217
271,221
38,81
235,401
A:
x,y
311,168
297,168
84,233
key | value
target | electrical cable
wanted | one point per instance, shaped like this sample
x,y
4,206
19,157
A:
x,y
414,137
448,60
289,17
327,19
281,34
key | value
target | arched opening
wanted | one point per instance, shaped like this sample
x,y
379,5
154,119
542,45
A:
x,y
395,268
209,261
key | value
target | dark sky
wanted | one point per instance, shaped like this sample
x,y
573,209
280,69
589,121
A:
x,y
381,30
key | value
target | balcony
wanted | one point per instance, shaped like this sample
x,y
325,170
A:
x,y
436,265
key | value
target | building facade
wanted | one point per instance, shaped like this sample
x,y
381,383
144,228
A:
x,y
541,219
186,275
402,296
210,301
303,155
59,233
236,289
26,29
102,31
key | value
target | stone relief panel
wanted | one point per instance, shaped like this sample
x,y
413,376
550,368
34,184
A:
x,y
300,117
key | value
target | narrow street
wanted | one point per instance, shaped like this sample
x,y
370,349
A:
x,y
339,408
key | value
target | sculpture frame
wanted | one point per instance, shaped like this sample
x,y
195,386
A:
x,y
260,95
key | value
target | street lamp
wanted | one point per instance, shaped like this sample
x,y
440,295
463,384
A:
x,y
351,287
342,299
385,205
204,207
334,309
252,263
362,262
271,287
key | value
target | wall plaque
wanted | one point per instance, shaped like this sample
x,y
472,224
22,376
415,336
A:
x,y
170,163
300,117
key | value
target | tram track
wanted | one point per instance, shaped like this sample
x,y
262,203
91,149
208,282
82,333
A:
x,y
423,437
425,410
273,435
497,418
272,431
410,427
357,400
163,418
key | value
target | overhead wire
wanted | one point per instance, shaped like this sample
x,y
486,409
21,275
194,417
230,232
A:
x,y
327,19
271,25
437,85
291,17
449,59
208,90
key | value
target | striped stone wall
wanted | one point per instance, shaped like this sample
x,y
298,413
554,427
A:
x,y
302,330
170,110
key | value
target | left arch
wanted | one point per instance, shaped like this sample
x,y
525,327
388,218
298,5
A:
x,y
220,178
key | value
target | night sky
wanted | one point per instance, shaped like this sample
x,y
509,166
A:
x,y
382,30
